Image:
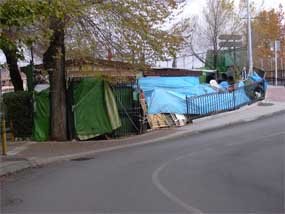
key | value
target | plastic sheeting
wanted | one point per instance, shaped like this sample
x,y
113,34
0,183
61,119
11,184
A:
x,y
168,95
95,109
41,127
174,101
177,84
256,78
224,84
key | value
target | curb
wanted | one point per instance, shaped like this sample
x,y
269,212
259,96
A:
x,y
214,116
14,167
32,162
242,121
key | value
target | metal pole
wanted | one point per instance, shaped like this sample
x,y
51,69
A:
x,y
249,45
276,69
3,135
2,120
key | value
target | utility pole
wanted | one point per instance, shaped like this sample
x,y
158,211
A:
x,y
249,45
276,48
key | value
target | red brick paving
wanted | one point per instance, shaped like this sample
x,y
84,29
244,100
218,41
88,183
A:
x,y
276,94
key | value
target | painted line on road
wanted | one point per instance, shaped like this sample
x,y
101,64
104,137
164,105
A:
x,y
166,192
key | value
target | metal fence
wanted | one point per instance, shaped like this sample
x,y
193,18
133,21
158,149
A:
x,y
272,81
270,77
130,110
214,103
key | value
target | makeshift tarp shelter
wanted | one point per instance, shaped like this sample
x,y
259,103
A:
x,y
168,94
149,84
41,127
94,110
174,101
170,97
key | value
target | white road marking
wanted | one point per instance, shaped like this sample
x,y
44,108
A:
x,y
166,192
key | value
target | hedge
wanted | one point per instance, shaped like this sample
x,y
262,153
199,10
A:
x,y
19,109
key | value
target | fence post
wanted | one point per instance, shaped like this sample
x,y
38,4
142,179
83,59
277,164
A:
x,y
3,136
187,106
234,98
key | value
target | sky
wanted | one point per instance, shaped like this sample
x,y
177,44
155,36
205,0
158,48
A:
x,y
195,7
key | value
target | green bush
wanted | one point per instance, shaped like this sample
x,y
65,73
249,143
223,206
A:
x,y
19,109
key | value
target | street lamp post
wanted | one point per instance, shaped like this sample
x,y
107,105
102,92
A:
x,y
276,48
249,46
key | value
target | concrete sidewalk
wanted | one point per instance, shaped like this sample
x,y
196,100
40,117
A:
x,y
32,154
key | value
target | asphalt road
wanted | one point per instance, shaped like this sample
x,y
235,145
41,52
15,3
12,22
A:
x,y
239,169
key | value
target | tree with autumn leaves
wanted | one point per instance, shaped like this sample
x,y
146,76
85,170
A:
x,y
129,27
268,26
14,17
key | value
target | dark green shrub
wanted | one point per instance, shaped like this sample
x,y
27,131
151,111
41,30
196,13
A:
x,y
19,109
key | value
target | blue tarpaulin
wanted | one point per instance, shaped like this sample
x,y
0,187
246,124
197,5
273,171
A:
x,y
256,78
168,95
177,84
174,101
149,83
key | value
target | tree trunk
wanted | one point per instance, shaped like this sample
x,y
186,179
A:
x,y
215,59
216,52
54,63
12,61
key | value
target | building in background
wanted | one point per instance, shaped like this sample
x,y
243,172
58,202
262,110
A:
x,y
6,82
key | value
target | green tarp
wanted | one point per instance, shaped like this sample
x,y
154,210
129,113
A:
x,y
95,109
41,126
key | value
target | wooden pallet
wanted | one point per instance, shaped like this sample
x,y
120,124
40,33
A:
x,y
158,121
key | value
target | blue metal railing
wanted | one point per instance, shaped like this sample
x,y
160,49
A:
x,y
222,101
